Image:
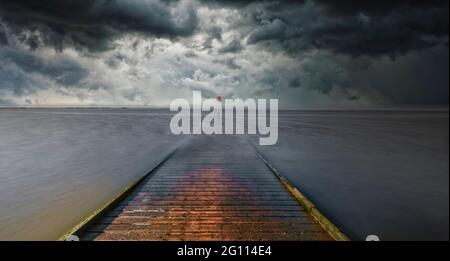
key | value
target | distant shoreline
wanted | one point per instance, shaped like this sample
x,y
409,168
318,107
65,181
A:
x,y
388,109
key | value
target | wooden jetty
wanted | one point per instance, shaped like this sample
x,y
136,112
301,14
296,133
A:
x,y
213,188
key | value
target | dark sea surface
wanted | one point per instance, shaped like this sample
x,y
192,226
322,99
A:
x,y
383,173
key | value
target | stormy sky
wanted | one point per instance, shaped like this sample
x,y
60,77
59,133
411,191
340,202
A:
x,y
311,53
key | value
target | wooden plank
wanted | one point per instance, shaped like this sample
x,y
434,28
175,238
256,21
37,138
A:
x,y
214,188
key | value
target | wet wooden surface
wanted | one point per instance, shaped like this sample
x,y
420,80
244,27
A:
x,y
213,188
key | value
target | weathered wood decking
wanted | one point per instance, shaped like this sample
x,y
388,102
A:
x,y
216,188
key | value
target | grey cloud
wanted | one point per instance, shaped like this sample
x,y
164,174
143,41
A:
x,y
232,46
17,81
190,54
274,29
213,32
211,85
6,103
230,62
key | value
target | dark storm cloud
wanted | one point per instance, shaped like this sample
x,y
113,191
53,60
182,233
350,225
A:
x,y
65,72
380,7
221,3
317,49
361,28
3,38
342,7
414,80
350,27
17,66
93,23
294,82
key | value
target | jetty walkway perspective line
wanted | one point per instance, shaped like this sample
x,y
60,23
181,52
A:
x,y
213,188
